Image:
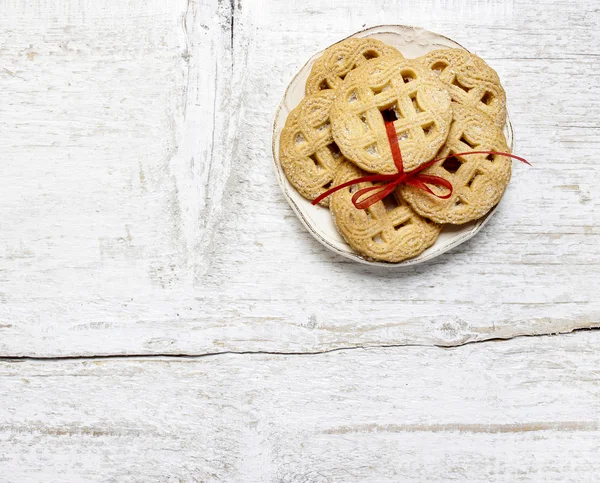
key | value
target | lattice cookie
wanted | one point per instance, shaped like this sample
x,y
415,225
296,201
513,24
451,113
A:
x,y
389,230
390,88
478,180
329,70
307,151
469,80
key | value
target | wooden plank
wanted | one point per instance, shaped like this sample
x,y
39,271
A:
x,y
520,410
140,213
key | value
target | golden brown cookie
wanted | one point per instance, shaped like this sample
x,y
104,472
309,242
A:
x,y
469,80
307,151
329,70
385,89
388,230
478,180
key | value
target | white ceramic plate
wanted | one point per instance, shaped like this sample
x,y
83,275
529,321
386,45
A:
x,y
412,42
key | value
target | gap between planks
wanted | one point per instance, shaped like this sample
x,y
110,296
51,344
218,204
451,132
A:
x,y
279,353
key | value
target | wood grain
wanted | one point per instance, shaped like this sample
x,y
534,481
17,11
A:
x,y
519,410
140,213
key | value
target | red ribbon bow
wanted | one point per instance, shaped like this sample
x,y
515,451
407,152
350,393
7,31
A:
x,y
413,178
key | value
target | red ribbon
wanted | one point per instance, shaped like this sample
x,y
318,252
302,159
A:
x,y
413,178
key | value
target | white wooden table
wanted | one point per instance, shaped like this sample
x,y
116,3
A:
x,y
165,317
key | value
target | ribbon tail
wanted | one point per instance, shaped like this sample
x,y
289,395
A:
x,y
500,153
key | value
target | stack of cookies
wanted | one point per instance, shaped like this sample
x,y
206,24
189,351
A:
x,y
446,102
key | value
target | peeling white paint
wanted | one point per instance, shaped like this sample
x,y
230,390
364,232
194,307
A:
x,y
520,410
140,214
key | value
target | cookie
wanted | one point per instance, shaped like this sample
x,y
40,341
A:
x,y
307,152
469,80
329,70
390,88
478,180
388,230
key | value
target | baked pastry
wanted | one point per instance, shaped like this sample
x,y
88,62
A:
x,y
307,151
329,70
478,180
390,88
388,230
469,80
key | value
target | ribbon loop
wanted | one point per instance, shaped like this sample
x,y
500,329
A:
x,y
422,180
383,191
